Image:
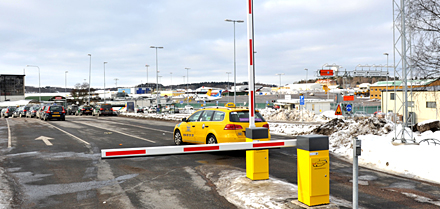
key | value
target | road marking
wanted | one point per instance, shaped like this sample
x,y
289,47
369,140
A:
x,y
154,129
75,137
9,135
45,139
137,137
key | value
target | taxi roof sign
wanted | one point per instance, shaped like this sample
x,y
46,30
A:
x,y
338,110
230,104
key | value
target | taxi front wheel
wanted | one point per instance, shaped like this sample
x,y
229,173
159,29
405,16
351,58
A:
x,y
177,138
211,139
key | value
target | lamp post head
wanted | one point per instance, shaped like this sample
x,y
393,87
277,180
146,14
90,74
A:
x,y
147,65
385,54
67,71
228,20
240,21
152,47
89,54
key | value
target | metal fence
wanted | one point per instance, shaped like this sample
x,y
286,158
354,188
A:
x,y
359,107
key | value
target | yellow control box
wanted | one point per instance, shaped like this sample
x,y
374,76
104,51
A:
x,y
313,170
257,161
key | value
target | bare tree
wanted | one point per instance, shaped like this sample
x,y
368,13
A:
x,y
424,21
80,92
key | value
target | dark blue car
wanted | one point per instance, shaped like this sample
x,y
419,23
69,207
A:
x,y
53,112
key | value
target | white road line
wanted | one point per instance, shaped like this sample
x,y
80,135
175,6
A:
x,y
137,137
9,135
154,129
73,136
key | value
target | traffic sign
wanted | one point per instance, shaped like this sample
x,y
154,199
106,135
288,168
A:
x,y
348,108
301,100
338,110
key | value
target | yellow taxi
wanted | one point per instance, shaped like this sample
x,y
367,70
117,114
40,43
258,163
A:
x,y
216,125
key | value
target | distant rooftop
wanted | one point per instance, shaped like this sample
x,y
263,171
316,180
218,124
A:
x,y
399,83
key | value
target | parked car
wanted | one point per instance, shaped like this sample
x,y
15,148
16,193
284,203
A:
x,y
103,109
72,109
140,110
16,112
53,112
152,109
23,111
7,111
84,110
39,111
216,125
32,112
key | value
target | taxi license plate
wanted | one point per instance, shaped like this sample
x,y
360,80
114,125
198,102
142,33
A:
x,y
106,111
55,115
87,110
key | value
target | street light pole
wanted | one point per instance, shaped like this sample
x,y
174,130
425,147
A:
x,y
228,84
280,74
147,73
305,96
279,90
90,74
386,86
104,81
39,85
171,73
235,74
187,78
65,81
157,76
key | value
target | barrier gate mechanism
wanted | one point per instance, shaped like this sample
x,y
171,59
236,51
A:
x,y
312,155
168,150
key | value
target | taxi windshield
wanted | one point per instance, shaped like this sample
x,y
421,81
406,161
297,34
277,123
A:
x,y
243,116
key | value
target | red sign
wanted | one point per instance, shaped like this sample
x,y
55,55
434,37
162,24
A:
x,y
338,110
326,73
349,98
58,98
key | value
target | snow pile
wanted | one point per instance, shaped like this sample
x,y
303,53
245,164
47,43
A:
x,y
291,129
341,132
287,115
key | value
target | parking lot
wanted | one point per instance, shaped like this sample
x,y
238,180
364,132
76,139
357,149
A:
x,y
57,164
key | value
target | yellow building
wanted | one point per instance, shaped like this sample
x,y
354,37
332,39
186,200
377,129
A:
x,y
422,103
377,88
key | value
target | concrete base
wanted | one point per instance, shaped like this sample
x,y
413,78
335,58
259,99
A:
x,y
295,204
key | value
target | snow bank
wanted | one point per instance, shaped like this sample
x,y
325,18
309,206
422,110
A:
x,y
287,115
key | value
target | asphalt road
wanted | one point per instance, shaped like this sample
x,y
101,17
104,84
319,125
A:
x,y
57,164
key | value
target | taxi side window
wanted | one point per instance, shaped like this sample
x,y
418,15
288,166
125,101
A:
x,y
207,115
194,117
218,116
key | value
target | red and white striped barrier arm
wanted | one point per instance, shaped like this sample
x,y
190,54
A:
x,y
170,150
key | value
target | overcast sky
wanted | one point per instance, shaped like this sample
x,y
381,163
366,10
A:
x,y
290,36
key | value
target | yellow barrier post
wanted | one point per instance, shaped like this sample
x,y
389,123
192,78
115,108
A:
x,y
313,170
257,161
